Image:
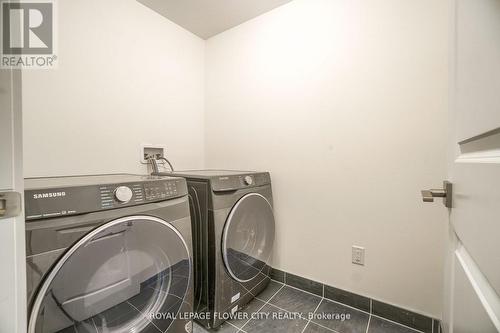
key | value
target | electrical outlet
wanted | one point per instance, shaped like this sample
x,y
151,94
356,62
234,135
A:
x,y
358,255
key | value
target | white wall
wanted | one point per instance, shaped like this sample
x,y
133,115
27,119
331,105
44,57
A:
x,y
126,76
345,103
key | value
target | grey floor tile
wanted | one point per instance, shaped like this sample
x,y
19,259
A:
x,y
378,325
224,328
197,328
295,300
314,328
270,290
116,317
341,318
148,329
275,322
86,326
246,313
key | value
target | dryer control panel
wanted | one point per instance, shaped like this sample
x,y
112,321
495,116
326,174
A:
x,y
63,199
236,182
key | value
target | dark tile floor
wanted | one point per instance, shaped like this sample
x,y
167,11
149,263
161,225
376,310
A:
x,y
281,308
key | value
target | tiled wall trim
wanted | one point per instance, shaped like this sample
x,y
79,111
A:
x,y
278,275
311,286
405,317
372,306
345,297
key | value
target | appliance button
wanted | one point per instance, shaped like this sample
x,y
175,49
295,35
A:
x,y
123,194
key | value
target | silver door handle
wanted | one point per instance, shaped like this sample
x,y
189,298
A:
x,y
10,204
3,207
446,193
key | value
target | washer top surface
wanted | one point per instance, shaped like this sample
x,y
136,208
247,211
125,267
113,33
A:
x,y
70,181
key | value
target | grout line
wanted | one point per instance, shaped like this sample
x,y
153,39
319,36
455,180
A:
x,y
283,285
316,309
370,311
277,291
278,282
305,291
395,322
145,316
285,310
332,300
277,307
326,328
95,326
368,326
348,306
265,303
323,298
305,327
237,328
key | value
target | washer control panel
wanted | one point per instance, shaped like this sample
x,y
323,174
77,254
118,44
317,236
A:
x,y
159,191
53,202
118,195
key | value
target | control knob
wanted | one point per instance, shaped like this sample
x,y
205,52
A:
x,y
248,180
123,194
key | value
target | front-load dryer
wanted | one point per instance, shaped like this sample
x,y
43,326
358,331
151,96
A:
x,y
108,253
233,236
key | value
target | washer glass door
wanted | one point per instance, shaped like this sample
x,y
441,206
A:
x,y
128,275
248,237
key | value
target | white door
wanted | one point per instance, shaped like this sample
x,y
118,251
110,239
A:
x,y
12,245
472,302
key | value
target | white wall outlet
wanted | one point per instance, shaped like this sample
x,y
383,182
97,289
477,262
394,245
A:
x,y
156,151
358,255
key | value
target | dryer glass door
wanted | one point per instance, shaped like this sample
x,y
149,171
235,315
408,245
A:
x,y
128,275
248,237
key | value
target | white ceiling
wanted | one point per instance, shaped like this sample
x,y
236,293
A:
x,y
207,18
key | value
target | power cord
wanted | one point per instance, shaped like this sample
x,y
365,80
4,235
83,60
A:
x,y
168,162
154,163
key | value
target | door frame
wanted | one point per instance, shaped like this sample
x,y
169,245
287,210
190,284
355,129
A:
x,y
13,316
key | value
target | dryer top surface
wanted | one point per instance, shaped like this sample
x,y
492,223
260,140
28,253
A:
x,y
210,173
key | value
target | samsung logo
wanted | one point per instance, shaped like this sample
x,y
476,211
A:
x,y
49,195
